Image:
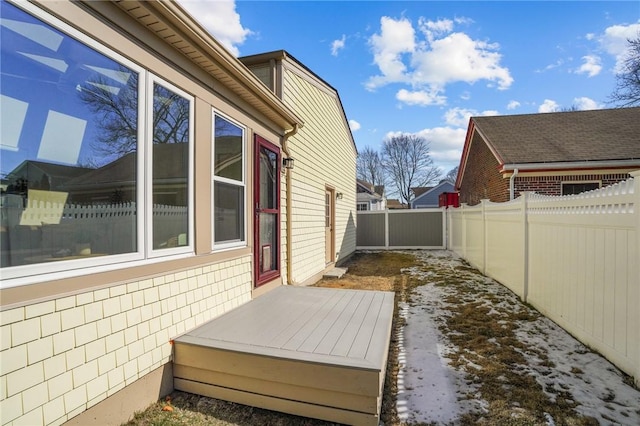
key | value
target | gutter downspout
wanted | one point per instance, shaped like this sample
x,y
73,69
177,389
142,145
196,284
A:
x,y
285,149
512,184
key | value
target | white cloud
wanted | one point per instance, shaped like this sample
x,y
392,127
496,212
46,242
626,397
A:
x,y
431,29
459,117
585,103
338,45
354,125
221,20
395,39
557,64
438,58
591,66
549,106
614,41
420,97
513,105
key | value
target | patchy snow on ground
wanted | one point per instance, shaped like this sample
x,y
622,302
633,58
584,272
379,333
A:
x,y
430,390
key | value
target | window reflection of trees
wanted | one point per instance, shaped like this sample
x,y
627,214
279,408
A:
x,y
115,112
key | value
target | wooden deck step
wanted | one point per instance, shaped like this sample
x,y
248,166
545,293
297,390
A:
x,y
309,351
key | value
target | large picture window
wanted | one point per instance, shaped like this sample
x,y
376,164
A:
x,y
76,152
228,184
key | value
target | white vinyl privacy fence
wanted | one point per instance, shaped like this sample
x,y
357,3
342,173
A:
x,y
574,258
401,229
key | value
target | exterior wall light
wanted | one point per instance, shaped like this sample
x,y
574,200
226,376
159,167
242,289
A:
x,y
287,163
339,196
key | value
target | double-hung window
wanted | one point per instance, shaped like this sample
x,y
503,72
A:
x,y
96,154
229,220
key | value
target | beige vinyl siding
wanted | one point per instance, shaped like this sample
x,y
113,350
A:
x,y
325,157
263,73
63,356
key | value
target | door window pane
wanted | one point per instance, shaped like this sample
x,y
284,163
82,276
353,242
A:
x,y
68,146
268,179
268,254
170,168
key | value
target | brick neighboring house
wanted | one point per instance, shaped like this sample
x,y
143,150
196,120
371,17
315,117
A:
x,y
552,153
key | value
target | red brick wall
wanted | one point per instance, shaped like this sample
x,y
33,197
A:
x,y
552,185
482,178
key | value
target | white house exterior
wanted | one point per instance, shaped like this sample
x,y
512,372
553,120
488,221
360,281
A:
x,y
370,197
323,222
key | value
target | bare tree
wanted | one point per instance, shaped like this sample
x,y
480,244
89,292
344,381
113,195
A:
x,y
627,91
369,167
408,164
452,175
117,121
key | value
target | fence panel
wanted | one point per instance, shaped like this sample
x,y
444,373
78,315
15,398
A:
x,y
505,244
401,229
574,258
371,229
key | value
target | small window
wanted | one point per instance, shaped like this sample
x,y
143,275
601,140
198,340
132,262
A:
x,y
362,206
228,184
579,187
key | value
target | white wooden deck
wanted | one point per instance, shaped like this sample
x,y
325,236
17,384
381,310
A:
x,y
309,351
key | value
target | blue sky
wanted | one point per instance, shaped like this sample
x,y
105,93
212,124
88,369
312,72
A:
x,y
425,67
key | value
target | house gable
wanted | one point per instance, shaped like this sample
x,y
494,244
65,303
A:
x,y
480,179
545,150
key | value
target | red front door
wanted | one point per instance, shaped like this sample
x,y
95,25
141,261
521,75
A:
x,y
267,211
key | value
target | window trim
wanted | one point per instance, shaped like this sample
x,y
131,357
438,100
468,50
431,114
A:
x,y
229,245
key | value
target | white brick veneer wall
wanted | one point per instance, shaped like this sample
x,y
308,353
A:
x,y
60,357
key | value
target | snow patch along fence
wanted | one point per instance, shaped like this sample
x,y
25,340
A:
x,y
574,258
401,229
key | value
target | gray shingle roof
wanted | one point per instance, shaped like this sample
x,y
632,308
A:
x,y
596,135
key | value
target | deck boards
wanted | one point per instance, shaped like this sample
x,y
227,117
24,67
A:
x,y
307,346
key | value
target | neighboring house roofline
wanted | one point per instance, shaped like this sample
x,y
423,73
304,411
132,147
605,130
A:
x,y
370,188
171,20
284,56
435,188
555,132
572,165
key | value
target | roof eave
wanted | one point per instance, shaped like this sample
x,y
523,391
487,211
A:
x,y
194,42
571,165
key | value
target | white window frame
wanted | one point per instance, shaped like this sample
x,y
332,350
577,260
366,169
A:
x,y
144,254
578,182
148,142
361,204
243,242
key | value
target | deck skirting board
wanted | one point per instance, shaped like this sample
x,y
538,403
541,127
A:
x,y
297,408
309,351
